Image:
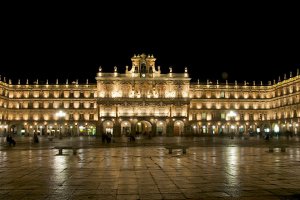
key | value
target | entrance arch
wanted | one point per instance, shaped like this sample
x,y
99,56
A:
x,y
143,127
178,128
161,128
108,126
125,128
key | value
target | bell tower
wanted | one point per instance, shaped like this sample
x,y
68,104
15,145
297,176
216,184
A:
x,y
143,64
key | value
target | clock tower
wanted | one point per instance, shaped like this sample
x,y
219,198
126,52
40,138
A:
x,y
144,66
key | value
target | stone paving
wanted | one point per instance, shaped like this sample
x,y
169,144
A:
x,y
213,168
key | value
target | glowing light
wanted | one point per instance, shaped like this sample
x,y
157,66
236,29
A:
x,y
60,114
231,114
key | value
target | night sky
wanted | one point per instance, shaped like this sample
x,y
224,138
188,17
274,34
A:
x,y
249,43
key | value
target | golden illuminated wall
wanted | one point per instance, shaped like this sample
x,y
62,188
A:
x,y
3,102
252,103
143,91
39,103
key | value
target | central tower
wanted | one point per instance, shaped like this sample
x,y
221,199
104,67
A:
x,y
143,66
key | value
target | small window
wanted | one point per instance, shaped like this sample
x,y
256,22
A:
x,y
222,94
251,116
203,116
81,116
223,115
91,116
260,116
242,117
194,116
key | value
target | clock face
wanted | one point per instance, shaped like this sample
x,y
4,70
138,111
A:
x,y
143,75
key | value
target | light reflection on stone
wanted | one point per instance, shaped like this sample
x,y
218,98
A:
x,y
232,165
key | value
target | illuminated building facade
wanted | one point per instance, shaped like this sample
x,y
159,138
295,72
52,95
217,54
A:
x,y
145,101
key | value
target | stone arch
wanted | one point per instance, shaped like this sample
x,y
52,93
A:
x,y
15,128
178,128
143,127
108,126
125,128
161,128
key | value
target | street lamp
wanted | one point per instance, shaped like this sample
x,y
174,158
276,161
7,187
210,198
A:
x,y
60,114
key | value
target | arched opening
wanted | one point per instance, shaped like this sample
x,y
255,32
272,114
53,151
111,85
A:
x,y
13,129
125,128
108,127
143,68
160,128
143,127
275,129
178,128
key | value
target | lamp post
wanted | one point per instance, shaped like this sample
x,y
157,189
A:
x,y
60,114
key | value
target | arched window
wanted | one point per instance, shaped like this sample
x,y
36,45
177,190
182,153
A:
x,y
143,68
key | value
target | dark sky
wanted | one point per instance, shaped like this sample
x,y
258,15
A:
x,y
247,42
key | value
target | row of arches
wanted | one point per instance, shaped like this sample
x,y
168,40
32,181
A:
x,y
159,128
145,127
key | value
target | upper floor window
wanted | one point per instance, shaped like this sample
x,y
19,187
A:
x,y
222,94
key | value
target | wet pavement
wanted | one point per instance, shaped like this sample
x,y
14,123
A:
x,y
213,168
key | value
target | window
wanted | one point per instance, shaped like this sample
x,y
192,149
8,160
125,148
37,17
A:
x,y
223,116
91,116
194,116
203,116
143,68
242,117
222,94
81,116
251,116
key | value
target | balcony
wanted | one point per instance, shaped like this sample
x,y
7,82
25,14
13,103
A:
x,y
164,101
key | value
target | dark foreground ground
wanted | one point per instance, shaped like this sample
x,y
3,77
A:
x,y
213,168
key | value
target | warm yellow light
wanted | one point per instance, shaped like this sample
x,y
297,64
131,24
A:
x,y
60,114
